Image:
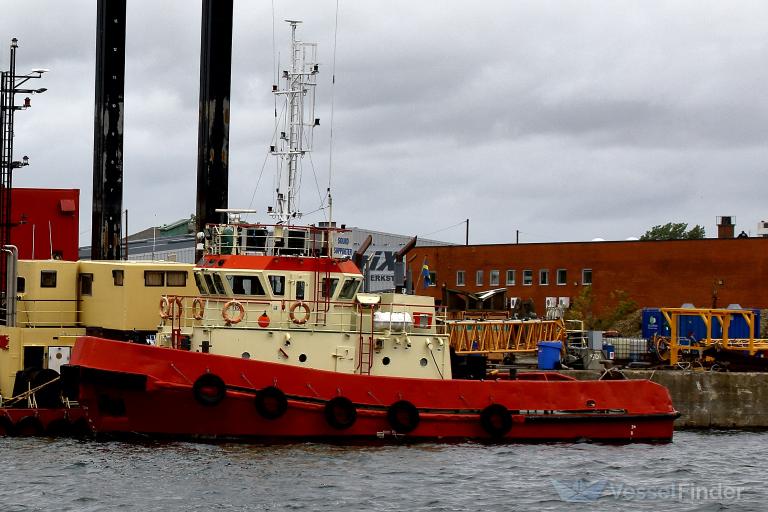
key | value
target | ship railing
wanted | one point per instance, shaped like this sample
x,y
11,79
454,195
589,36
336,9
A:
x,y
187,312
47,313
503,336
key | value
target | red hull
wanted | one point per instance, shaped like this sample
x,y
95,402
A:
x,y
129,388
38,422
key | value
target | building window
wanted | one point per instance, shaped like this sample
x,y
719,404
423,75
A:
x,y
527,277
562,276
433,278
118,277
510,278
86,284
459,278
479,278
586,276
544,277
47,279
176,278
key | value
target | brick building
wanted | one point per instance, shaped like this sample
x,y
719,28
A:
x,y
652,273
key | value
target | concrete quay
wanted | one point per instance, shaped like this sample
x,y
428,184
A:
x,y
707,399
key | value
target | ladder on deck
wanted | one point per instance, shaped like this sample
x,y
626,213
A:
x,y
365,346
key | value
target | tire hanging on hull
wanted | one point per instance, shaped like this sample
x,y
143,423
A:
x,y
271,403
403,416
340,413
496,420
209,389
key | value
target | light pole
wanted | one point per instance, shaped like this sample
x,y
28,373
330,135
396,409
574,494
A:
x,y
10,85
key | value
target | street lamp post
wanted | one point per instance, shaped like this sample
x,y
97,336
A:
x,y
10,85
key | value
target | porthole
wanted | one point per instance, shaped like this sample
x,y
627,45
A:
x,y
246,355
385,361
302,358
423,361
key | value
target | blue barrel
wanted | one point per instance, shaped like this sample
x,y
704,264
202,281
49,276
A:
x,y
609,351
549,354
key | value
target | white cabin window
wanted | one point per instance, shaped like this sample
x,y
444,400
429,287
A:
x,y
329,287
200,284
277,283
246,285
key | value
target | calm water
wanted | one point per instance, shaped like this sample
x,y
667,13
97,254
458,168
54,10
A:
x,y
699,471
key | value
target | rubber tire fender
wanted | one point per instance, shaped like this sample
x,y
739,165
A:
x,y
496,420
271,403
206,382
340,412
403,416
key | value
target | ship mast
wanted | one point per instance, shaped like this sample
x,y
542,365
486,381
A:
x,y
294,139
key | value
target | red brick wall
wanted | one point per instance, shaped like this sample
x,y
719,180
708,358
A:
x,y
36,207
653,273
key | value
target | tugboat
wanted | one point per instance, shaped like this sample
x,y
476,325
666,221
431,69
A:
x,y
280,344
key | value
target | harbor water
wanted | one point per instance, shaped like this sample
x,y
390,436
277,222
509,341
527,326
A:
x,y
698,471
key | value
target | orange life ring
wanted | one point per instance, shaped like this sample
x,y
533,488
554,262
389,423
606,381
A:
x,y
178,310
165,310
226,312
198,308
292,314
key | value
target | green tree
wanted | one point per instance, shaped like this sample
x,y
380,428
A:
x,y
619,314
674,231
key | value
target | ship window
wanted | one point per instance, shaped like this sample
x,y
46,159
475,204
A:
x,y
47,279
176,278
245,285
219,285
300,285
118,277
209,284
21,284
277,283
86,284
349,288
200,284
329,287
154,278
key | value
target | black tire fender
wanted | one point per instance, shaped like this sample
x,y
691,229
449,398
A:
x,y
496,420
403,416
271,403
340,412
209,389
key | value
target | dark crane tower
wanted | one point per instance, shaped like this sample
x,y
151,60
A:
x,y
106,225
213,134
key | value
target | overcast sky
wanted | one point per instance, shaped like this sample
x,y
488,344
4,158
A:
x,y
566,120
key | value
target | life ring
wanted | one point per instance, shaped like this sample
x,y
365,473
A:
x,y
403,416
209,389
165,307
496,420
292,313
227,314
198,308
271,403
340,413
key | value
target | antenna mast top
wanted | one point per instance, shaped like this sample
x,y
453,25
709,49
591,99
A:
x,y
294,138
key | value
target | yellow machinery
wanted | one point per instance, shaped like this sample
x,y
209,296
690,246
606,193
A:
x,y
709,316
498,337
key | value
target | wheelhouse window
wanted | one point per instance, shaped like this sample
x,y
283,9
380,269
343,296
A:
x,y
86,284
527,277
479,278
510,278
329,287
494,278
460,278
154,278
277,284
219,284
544,277
200,284
246,285
118,277
349,288
176,278
562,276
47,279
586,276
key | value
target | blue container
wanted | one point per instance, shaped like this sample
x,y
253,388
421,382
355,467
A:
x,y
609,351
549,354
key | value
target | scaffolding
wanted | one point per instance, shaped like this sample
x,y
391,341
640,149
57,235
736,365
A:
x,y
503,336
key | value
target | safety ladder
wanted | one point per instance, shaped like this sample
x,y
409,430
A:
x,y
322,300
365,345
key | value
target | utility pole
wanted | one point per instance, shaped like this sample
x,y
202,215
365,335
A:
x,y
467,234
